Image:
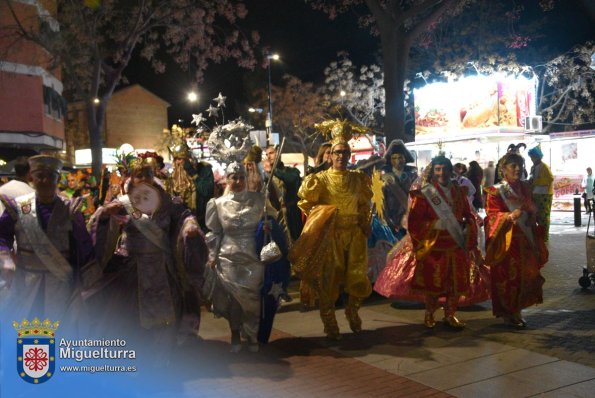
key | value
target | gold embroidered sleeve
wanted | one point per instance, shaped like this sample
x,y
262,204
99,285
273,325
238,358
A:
x,y
309,193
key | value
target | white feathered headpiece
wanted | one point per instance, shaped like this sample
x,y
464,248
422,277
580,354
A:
x,y
230,142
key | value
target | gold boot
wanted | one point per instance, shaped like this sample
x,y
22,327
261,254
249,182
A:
x,y
449,313
431,305
351,313
332,331
454,322
331,328
429,321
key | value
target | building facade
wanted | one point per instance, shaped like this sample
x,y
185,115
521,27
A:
x,y
134,116
32,108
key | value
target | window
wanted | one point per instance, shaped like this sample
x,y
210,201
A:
x,y
54,104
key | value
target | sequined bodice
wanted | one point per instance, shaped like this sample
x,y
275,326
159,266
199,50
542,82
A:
x,y
239,215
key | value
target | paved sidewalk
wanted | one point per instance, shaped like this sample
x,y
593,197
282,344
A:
x,y
462,364
392,357
292,366
396,356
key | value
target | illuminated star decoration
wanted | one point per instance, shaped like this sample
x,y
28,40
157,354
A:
x,y
276,290
197,119
213,111
220,99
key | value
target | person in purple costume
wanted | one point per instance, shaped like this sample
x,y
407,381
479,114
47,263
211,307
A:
x,y
156,288
54,250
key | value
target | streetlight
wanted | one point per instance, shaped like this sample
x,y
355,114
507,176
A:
x,y
257,110
192,96
269,122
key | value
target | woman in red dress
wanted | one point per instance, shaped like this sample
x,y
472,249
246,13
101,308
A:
x,y
515,248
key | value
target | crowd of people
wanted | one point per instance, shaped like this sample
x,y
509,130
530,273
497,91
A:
x,y
146,249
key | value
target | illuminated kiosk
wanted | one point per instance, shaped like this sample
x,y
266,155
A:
x,y
473,118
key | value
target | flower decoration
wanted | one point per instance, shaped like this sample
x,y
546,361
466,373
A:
x,y
124,160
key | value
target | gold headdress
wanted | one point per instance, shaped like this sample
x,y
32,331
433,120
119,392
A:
x,y
339,131
139,164
180,151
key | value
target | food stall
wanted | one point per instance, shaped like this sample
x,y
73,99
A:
x,y
473,118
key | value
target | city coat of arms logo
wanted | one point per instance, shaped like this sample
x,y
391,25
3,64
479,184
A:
x,y
36,358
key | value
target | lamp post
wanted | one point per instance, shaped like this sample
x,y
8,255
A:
x,y
269,121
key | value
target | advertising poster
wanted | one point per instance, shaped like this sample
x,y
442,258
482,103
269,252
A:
x,y
569,152
472,105
565,186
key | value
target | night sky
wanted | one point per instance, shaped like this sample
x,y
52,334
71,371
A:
x,y
307,42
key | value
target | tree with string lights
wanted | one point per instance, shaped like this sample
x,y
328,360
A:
x,y
98,38
401,25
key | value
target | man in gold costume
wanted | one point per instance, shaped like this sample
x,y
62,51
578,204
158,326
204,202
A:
x,y
192,181
181,183
332,252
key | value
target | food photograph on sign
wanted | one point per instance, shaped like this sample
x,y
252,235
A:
x,y
472,103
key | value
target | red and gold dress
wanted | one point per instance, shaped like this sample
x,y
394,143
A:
x,y
515,256
394,281
442,266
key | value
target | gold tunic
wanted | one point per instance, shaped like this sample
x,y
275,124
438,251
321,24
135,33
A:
x,y
182,185
341,239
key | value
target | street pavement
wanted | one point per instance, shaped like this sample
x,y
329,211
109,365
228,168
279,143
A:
x,y
396,356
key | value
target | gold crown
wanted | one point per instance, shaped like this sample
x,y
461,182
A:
x,y
180,151
35,327
339,131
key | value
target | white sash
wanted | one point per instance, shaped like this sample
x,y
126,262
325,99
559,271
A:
x,y
146,225
444,212
40,243
506,193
